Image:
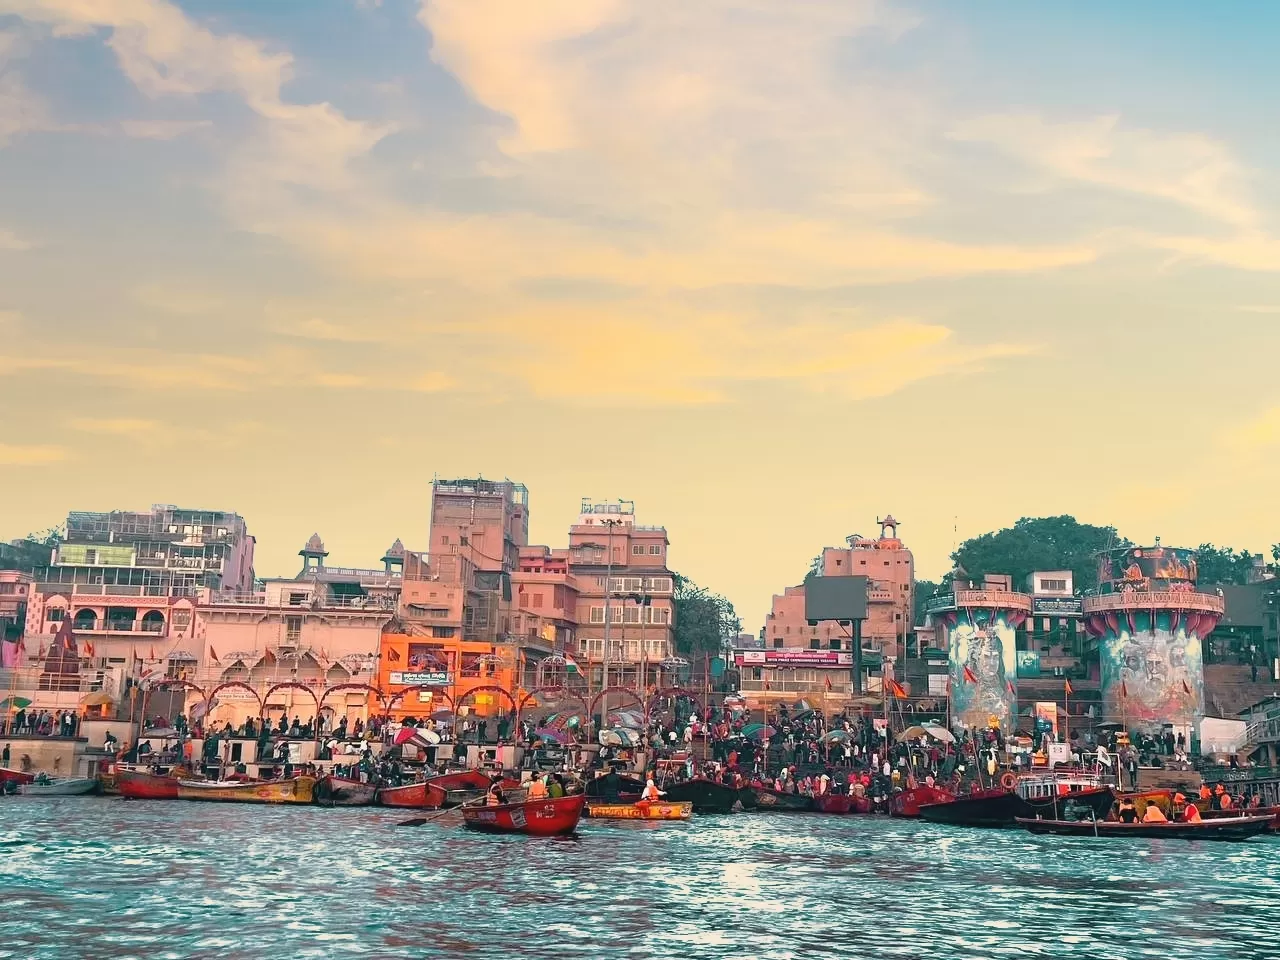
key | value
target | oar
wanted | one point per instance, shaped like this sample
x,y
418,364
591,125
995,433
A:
x,y
419,821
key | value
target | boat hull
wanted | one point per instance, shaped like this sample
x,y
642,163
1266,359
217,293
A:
x,y
136,785
15,776
640,811
446,790
764,800
838,803
1002,808
1235,828
297,790
907,804
340,792
60,788
534,818
707,796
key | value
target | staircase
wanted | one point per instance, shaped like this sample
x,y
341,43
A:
x,y
1228,689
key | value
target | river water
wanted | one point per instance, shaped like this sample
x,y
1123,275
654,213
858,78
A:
x,y
102,877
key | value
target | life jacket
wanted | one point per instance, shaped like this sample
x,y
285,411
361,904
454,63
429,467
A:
x,y
1191,814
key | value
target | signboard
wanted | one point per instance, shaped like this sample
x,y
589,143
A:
x,y
405,678
1057,606
1047,717
835,598
793,658
1146,568
1028,663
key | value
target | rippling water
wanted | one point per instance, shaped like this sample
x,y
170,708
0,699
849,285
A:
x,y
101,877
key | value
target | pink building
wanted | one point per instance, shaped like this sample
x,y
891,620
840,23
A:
x,y
15,594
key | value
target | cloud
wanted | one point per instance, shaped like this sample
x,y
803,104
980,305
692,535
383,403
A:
x,y
162,129
16,455
11,241
433,382
1187,169
121,427
317,328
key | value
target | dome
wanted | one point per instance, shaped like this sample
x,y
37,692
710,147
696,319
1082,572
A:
x,y
314,547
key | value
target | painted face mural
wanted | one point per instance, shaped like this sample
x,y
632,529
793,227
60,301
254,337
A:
x,y
983,667
1152,671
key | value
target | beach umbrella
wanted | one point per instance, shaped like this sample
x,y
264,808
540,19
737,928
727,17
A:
x,y
802,705
939,733
547,733
626,718
759,731
14,703
912,733
442,714
835,736
405,734
97,700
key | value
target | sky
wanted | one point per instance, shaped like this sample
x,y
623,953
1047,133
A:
x,y
769,269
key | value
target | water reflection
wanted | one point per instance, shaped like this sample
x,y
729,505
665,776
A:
x,y
85,877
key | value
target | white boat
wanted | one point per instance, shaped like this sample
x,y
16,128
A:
x,y
70,787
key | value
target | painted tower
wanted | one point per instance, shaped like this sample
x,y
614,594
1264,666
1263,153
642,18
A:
x,y
1151,621
978,627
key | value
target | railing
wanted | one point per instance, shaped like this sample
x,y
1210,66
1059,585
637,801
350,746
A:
x,y
1005,599
1154,599
119,626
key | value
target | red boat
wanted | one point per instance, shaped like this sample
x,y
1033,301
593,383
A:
x,y
138,785
833,803
908,802
536,818
860,805
15,776
433,794
1272,812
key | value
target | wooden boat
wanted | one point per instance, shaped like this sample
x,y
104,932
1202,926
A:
x,y
297,790
860,805
628,789
908,803
536,818
69,787
434,792
334,791
644,810
8,775
1272,812
1002,808
707,796
1226,828
832,803
140,785
776,801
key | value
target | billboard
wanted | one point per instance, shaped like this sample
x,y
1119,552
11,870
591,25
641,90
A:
x,y
835,598
1153,668
1147,568
420,678
983,662
792,658
1056,606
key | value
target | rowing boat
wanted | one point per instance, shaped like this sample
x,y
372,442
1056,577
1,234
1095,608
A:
x,y
297,790
69,787
8,775
535,818
707,796
833,803
775,801
334,791
907,804
1233,828
643,810
437,792
140,785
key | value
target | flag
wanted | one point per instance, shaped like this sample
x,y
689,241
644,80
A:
x,y
828,683
393,654
1186,687
1069,689
88,648
571,664
969,675
213,654
1124,690
268,656
897,690
1008,685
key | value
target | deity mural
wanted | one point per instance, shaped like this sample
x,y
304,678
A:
x,y
983,667
1152,668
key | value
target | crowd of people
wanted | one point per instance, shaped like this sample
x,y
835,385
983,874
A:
x,y
41,723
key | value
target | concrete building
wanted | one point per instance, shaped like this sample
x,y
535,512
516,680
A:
x,y
15,594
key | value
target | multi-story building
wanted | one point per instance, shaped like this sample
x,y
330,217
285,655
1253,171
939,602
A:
x,y
623,581
801,658
15,594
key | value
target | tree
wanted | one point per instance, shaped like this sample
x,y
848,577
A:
x,y
924,590
705,622
32,552
1223,564
815,568
1039,543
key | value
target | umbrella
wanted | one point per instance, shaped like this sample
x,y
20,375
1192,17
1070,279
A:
x,y
865,701
1111,725
912,733
939,733
546,733
758,731
627,718
835,736
96,700
14,703
405,734
803,705
562,719
442,714
619,737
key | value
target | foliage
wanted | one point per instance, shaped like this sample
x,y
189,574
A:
x,y
924,590
815,568
1223,564
1038,543
705,622
30,553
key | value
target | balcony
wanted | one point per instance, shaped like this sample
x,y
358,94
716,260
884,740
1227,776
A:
x,y
153,627
1155,600
1000,599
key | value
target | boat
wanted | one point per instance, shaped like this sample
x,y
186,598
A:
x,y
907,804
334,791
776,801
535,818
1029,798
707,796
296,790
140,785
644,810
832,803
628,789
1272,812
8,775
1225,828
434,792
67,787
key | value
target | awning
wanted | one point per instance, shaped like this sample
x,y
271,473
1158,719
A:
x,y
182,656
97,700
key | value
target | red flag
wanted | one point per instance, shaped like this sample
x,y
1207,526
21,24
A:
x,y
1186,687
268,656
897,690
393,654
828,683
1008,684
1124,690
153,653
969,675
1069,689
213,654
88,648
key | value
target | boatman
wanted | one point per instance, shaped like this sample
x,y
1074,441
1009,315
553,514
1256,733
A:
x,y
651,793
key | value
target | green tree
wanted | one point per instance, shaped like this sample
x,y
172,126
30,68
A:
x,y
31,553
815,568
705,622
1223,564
924,590
1039,543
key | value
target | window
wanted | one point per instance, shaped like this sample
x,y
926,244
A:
x,y
91,556
1053,585
464,541
815,644
631,614
537,600
637,549
442,633
655,549
292,629
660,615
8,588
835,643
56,614
524,601
658,584
597,614
615,614
777,643
297,599
444,540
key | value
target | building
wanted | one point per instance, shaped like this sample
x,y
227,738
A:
x,y
294,637
802,658
625,592
15,594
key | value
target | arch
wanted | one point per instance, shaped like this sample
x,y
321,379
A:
x,y
166,684
85,619
624,691
153,621
676,693
561,691
208,699
287,685
486,688
382,697
421,688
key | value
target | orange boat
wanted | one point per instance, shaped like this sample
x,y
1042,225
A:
x,y
535,818
297,790
139,785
